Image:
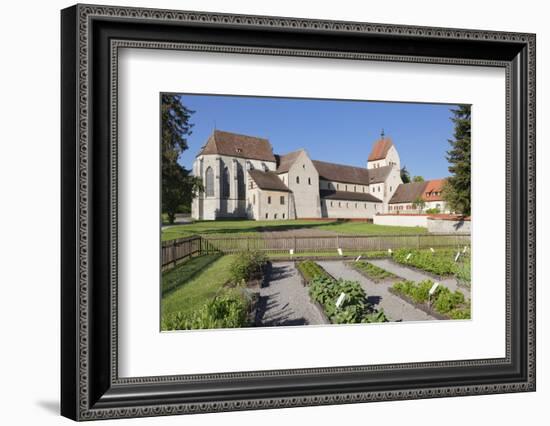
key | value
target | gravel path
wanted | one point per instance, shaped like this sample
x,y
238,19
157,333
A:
x,y
395,308
284,300
414,275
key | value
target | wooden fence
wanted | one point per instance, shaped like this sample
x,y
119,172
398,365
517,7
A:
x,y
176,250
332,243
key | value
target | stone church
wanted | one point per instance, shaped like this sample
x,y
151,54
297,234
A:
x,y
243,178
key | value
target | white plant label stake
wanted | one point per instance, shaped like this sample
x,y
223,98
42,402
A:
x,y
408,256
457,256
358,258
434,287
389,252
291,251
340,252
465,248
431,292
340,299
432,250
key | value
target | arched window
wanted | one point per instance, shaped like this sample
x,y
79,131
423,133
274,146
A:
x,y
225,182
209,182
241,189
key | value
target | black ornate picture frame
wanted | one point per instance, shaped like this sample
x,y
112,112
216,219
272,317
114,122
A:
x,y
91,37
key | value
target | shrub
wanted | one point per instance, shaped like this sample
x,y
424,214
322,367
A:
x,y
311,270
246,266
434,210
354,309
225,311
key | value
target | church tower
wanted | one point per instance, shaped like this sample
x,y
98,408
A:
x,y
383,154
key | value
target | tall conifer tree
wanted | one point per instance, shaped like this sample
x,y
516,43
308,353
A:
x,y
178,186
457,188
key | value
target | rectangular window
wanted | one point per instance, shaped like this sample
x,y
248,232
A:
x,y
283,215
275,216
250,185
331,204
297,179
309,181
282,199
268,200
266,216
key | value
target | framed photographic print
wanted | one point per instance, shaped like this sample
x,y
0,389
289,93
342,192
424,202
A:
x,y
263,212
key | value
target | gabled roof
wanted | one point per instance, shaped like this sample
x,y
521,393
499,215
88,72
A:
x,y
350,196
380,149
379,174
433,190
284,162
341,173
235,145
267,180
408,192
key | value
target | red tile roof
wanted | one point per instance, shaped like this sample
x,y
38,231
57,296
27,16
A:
x,y
433,190
380,149
235,145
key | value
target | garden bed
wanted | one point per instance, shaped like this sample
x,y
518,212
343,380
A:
x,y
438,264
372,272
308,270
354,307
442,304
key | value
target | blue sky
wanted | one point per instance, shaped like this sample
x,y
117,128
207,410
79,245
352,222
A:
x,y
336,131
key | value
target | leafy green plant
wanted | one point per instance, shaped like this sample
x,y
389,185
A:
x,y
224,311
443,300
311,270
439,263
372,271
247,265
354,308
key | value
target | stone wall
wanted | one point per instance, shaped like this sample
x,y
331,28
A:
x,y
401,220
449,226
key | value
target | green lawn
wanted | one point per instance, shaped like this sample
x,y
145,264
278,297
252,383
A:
x,y
189,285
254,227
